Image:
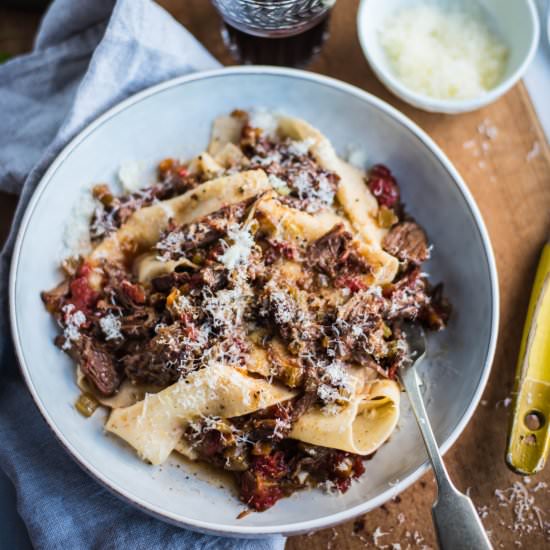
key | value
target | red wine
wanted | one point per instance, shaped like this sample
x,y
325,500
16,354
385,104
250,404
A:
x,y
295,51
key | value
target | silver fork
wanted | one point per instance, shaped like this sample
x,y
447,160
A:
x,y
456,521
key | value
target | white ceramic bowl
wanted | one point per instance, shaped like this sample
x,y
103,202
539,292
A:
x,y
516,22
173,119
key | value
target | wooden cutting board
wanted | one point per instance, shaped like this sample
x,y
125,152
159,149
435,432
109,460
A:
x,y
502,154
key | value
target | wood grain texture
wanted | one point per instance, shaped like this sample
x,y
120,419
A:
x,y
512,189
17,30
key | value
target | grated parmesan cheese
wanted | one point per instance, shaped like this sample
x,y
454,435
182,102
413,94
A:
x,y
76,233
263,119
377,535
321,196
335,374
328,394
301,148
110,325
335,388
239,252
443,53
527,516
272,158
284,310
74,319
282,425
487,129
130,174
226,308
330,487
170,245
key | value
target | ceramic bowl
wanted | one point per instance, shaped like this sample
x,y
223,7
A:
x,y
516,22
174,119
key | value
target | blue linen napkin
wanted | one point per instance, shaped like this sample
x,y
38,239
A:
x,y
88,55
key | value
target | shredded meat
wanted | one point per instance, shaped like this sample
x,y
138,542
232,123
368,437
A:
x,y
178,240
139,323
407,241
275,250
291,315
54,299
330,251
97,365
165,283
309,396
165,357
335,255
361,307
214,278
360,330
120,289
407,296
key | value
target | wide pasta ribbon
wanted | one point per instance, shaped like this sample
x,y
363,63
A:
x,y
361,427
155,425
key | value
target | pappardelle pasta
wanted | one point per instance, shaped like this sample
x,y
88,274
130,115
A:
x,y
246,309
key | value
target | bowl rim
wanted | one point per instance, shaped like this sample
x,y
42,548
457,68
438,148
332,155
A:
x,y
447,106
292,528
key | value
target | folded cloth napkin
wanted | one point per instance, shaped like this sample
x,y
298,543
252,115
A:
x,y
88,55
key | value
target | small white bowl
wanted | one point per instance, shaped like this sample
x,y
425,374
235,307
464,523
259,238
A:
x,y
516,22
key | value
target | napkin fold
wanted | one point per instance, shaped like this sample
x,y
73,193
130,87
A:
x,y
88,56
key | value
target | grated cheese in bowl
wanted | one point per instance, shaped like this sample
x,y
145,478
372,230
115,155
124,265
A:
x,y
443,53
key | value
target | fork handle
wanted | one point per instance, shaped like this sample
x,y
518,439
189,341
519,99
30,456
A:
x,y
456,521
457,524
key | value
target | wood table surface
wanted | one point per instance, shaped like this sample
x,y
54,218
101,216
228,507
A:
x,y
502,154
